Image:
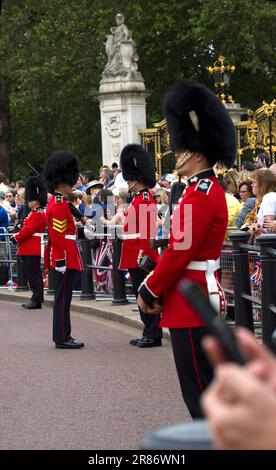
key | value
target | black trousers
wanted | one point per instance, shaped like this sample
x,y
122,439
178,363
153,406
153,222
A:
x,y
33,273
151,322
62,302
193,369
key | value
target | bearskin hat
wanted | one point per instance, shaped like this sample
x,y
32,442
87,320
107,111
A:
x,y
61,167
199,122
35,190
137,165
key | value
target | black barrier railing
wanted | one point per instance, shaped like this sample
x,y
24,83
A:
x,y
268,262
51,281
87,284
242,288
119,288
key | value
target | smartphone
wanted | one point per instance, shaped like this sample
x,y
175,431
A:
x,y
199,301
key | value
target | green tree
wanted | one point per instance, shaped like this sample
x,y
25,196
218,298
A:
x,y
52,54
244,32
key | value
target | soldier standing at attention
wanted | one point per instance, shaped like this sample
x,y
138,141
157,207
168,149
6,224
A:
x,y
139,228
29,239
201,134
61,173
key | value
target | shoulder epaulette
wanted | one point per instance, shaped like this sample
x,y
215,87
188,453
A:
x,y
204,186
59,198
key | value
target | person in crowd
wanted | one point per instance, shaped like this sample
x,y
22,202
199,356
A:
x,y
75,198
4,218
4,224
201,134
10,197
80,186
107,178
240,403
162,199
10,205
4,183
3,201
119,180
177,189
61,173
247,168
273,168
29,239
19,184
264,189
21,210
139,228
231,179
120,194
114,168
245,191
93,206
248,202
234,208
88,177
220,169
261,161
79,200
167,180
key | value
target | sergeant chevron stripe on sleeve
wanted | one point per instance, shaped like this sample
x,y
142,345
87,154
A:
x,y
60,225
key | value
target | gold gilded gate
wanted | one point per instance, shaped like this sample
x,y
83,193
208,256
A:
x,y
157,142
258,133
255,135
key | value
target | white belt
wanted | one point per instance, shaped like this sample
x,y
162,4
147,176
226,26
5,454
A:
x,y
131,236
210,267
36,234
70,237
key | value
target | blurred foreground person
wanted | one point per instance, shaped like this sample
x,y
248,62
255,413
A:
x,y
201,134
240,403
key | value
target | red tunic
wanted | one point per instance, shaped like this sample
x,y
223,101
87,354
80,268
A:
x,y
29,237
139,228
207,225
62,249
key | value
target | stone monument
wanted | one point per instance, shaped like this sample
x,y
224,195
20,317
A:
x,y
122,93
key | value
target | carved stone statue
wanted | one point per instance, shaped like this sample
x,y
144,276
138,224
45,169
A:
x,y
120,50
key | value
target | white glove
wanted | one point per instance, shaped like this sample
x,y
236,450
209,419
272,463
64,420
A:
x,y
88,233
90,225
60,269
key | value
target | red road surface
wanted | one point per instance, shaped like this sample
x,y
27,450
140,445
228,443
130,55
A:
x,y
106,396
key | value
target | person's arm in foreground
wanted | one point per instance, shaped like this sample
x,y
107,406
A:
x,y
240,404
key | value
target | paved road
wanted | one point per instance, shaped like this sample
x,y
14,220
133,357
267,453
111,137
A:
x,y
106,396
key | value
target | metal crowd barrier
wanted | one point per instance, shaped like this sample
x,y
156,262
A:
x,y
88,289
243,299
238,259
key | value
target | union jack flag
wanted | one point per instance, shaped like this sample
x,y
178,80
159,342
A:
x,y
256,277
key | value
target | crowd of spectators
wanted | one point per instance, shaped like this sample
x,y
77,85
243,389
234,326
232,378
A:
x,y
250,195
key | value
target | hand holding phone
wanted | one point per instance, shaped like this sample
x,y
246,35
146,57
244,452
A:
x,y
198,299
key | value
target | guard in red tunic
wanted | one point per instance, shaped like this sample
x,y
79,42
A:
x,y
61,172
29,239
139,228
201,134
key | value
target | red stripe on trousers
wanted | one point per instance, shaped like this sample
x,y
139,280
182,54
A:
x,y
194,360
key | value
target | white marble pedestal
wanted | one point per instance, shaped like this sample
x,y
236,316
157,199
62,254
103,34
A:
x,y
123,112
